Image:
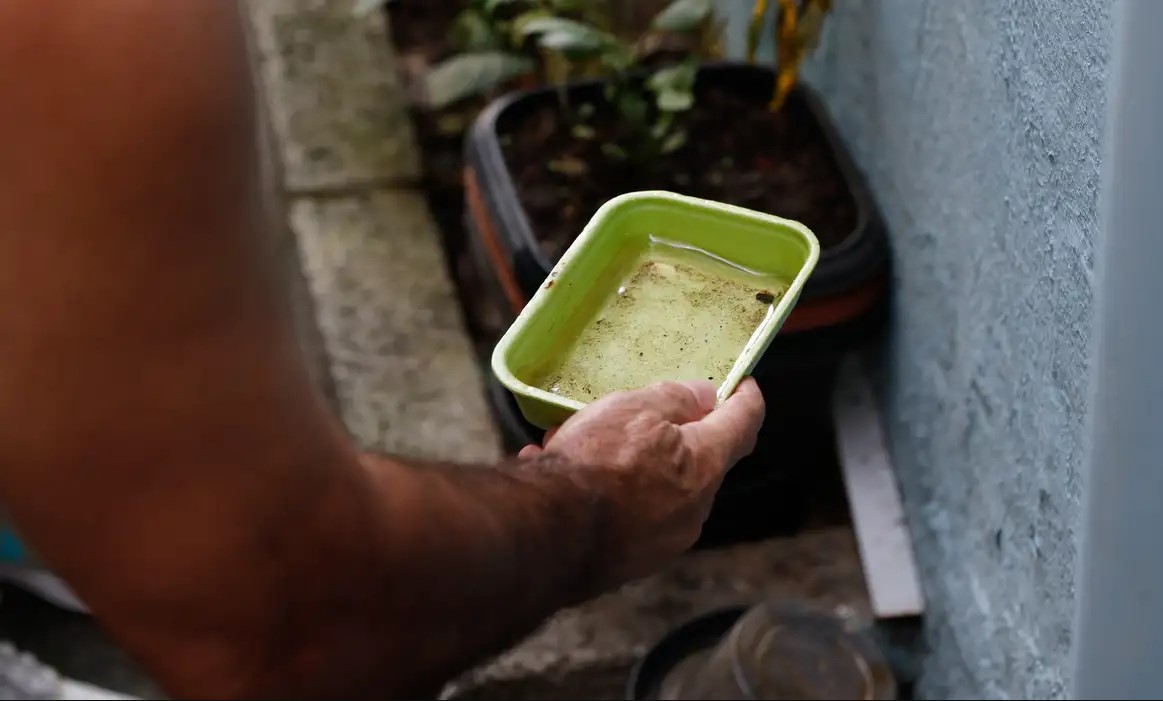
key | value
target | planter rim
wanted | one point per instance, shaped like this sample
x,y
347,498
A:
x,y
863,251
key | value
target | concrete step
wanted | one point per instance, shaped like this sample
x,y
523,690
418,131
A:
x,y
405,376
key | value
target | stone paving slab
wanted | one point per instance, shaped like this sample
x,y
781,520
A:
x,y
336,101
406,378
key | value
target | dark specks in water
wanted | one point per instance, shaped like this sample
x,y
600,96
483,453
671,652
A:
x,y
765,297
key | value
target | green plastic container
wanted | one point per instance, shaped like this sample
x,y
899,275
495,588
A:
x,y
594,265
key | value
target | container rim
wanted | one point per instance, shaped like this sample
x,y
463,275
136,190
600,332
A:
x,y
755,345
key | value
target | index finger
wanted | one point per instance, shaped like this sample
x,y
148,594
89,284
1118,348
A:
x,y
729,432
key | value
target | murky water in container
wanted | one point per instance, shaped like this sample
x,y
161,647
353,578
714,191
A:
x,y
679,314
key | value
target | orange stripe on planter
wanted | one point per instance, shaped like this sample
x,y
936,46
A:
x,y
830,311
484,226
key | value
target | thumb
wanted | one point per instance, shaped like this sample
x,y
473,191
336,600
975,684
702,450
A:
x,y
730,431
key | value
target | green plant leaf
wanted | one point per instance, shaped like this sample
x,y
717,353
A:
x,y
614,151
674,86
633,107
662,126
674,142
469,75
492,6
475,33
675,100
583,132
567,36
680,77
550,23
682,16
518,26
569,44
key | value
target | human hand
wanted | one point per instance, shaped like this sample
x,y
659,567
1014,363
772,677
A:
x,y
655,458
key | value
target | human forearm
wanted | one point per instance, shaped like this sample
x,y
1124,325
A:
x,y
477,557
381,581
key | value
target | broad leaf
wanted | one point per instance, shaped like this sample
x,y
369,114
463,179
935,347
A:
x,y
570,45
682,16
675,100
680,77
492,6
517,27
674,87
618,59
470,75
567,35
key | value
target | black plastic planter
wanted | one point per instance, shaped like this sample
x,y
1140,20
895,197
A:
x,y
846,281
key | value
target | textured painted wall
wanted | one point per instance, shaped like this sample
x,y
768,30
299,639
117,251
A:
x,y
979,125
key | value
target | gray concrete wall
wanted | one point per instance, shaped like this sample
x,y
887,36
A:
x,y
979,124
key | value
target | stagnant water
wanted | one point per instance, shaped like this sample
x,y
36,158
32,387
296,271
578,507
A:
x,y
679,314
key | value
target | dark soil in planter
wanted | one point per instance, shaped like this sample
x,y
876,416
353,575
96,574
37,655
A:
x,y
737,152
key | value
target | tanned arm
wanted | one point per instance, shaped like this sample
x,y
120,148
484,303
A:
x,y
160,442
161,445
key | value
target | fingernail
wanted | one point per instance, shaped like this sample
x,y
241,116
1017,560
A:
x,y
705,392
